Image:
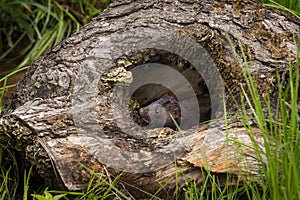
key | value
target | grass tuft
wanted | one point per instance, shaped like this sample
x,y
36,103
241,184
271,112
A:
x,y
280,131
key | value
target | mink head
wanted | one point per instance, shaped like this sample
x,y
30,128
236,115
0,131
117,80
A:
x,y
157,114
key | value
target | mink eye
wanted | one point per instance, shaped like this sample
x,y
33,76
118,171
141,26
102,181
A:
x,y
157,110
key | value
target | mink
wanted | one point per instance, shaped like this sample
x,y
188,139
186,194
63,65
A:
x,y
157,114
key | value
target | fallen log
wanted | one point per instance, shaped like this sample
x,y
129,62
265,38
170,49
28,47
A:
x,y
77,106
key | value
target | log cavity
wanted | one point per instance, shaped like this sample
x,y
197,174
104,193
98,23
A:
x,y
159,73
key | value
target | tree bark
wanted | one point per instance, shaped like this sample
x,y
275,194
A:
x,y
71,107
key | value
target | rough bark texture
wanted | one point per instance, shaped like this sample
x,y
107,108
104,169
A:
x,y
69,109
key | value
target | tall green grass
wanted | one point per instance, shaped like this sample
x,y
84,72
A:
x,y
9,178
280,130
279,177
291,6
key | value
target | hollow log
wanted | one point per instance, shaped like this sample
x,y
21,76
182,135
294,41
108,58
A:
x,y
77,106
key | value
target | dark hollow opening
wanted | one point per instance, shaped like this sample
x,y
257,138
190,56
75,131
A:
x,y
151,93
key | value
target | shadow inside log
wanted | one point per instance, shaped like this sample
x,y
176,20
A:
x,y
159,75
